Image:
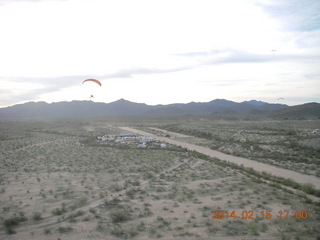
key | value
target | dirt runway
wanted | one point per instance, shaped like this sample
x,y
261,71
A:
x,y
261,167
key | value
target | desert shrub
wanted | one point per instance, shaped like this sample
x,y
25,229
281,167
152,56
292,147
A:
x,y
37,216
308,188
86,219
264,227
188,234
235,228
147,176
131,183
131,192
152,230
162,222
59,211
199,155
118,216
47,231
284,237
290,183
115,188
10,230
90,141
13,221
117,231
77,214
145,212
10,223
92,210
123,233
65,229
254,229
81,202
212,229
112,203
6,209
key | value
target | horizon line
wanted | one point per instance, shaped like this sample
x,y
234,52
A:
x,y
153,104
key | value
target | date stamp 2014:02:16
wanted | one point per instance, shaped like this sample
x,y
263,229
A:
x,y
249,214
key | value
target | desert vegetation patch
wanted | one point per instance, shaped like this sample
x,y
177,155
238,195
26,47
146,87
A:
x,y
58,182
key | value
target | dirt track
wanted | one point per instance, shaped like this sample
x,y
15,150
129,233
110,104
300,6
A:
x,y
298,177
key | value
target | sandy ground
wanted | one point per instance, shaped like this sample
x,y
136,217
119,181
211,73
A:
x,y
314,143
178,135
261,167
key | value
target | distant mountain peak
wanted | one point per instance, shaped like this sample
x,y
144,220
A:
x,y
122,100
222,102
255,102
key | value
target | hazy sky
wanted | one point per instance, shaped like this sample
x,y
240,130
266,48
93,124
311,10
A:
x,y
160,51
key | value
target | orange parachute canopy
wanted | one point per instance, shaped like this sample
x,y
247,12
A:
x,y
92,80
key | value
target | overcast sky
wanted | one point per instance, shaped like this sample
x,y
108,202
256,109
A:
x,y
160,51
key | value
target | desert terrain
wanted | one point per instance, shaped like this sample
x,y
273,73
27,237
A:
x,y
59,182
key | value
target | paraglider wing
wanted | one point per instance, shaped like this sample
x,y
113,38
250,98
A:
x,y
92,80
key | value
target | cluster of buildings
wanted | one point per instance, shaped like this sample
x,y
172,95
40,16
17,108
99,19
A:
x,y
133,140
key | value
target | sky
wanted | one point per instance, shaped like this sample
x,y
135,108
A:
x,y
160,51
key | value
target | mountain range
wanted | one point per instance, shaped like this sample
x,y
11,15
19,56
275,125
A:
x,y
123,107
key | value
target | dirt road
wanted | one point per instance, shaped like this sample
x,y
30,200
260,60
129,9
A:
x,y
298,177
